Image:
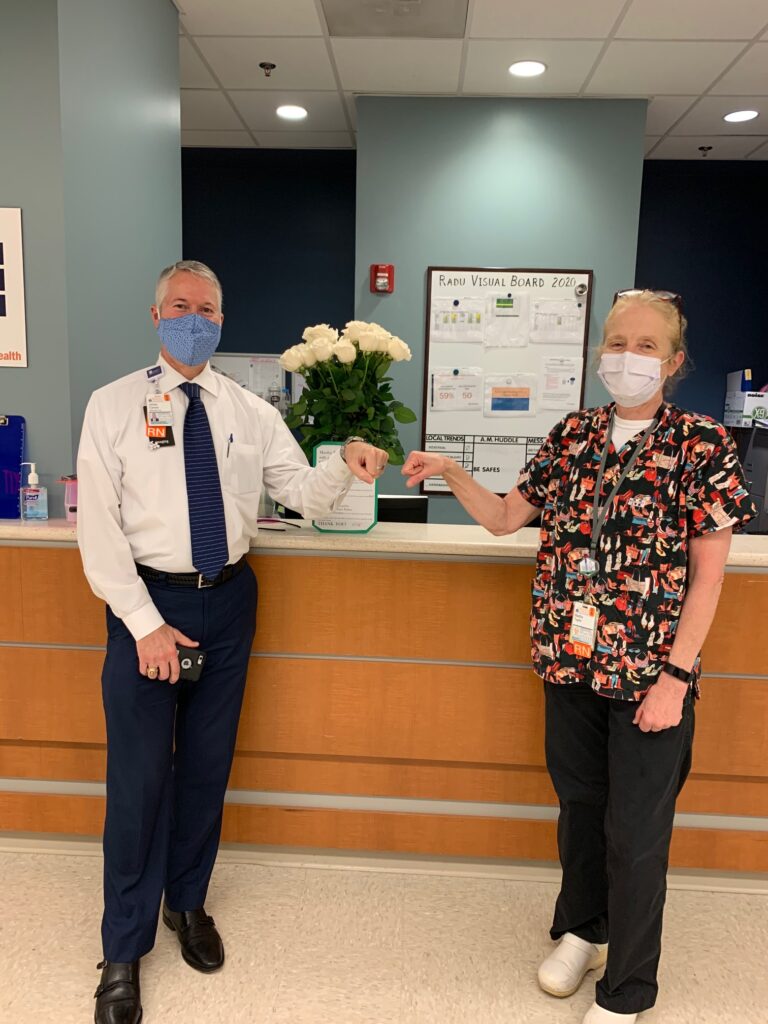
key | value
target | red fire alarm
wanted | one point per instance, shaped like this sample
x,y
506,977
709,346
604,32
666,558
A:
x,y
382,277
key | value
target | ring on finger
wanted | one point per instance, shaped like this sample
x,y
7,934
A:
x,y
152,671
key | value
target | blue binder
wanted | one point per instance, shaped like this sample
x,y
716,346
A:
x,y
11,456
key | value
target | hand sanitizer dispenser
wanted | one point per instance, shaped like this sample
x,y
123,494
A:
x,y
34,498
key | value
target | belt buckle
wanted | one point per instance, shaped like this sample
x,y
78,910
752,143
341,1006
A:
x,y
203,583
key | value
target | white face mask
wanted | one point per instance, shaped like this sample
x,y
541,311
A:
x,y
630,378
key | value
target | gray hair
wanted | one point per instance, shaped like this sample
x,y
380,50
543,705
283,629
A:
x,y
191,267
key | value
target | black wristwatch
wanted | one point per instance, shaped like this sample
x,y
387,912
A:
x,y
679,673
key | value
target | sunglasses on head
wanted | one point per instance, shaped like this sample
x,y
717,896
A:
x,y
673,297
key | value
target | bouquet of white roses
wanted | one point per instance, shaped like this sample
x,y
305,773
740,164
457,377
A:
x,y
347,390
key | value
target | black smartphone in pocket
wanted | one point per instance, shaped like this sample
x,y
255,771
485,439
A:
x,y
191,662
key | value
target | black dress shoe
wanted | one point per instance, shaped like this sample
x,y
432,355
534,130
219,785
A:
x,y
201,945
118,998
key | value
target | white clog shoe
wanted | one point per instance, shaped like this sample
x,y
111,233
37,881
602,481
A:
x,y
597,1015
564,969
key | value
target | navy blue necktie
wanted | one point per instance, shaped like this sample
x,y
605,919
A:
x,y
206,506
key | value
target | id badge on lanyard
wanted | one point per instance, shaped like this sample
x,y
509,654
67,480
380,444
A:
x,y
583,628
585,614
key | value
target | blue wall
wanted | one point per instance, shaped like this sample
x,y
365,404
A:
x,y
491,182
122,181
89,122
278,227
703,231
31,178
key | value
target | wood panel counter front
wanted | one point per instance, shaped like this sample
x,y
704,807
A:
x,y
390,702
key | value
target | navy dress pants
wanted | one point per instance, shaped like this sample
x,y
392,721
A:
x,y
617,788
169,754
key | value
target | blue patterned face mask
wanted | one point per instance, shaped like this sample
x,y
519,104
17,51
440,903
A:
x,y
191,339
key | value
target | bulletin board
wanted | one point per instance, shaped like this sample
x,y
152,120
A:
x,y
505,356
254,372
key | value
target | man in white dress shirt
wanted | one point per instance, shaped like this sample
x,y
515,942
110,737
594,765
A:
x,y
172,462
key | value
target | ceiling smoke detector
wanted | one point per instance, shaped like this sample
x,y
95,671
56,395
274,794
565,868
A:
x,y
705,150
267,67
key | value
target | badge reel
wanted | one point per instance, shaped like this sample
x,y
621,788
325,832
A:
x,y
588,567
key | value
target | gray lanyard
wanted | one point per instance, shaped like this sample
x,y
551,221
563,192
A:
x,y
589,566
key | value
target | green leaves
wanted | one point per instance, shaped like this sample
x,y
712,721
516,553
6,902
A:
x,y
351,398
403,414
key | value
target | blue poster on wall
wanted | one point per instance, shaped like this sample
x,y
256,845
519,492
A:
x,y
11,455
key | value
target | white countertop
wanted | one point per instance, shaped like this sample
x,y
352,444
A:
x,y
747,550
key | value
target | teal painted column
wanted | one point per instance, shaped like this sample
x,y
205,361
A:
x,y
491,182
89,123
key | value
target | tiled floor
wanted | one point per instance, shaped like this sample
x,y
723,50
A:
x,y
309,945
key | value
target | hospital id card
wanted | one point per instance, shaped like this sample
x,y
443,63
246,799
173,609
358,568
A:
x,y
159,411
583,628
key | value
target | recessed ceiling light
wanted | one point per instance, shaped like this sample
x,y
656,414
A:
x,y
291,113
527,68
741,115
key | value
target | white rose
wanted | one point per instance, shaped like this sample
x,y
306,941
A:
x,y
344,350
308,357
398,350
353,327
369,341
322,347
320,332
291,360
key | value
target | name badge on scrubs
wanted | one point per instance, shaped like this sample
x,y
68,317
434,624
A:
x,y
159,411
583,628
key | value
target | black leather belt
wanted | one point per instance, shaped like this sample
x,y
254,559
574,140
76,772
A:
x,y
190,579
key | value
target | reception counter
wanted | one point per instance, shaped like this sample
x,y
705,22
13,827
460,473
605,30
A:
x,y
390,702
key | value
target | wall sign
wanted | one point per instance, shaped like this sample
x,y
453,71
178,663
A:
x,y
13,326
505,356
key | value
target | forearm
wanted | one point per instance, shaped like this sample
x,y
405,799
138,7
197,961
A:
x,y
485,507
698,611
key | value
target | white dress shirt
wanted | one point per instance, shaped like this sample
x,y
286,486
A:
x,y
132,500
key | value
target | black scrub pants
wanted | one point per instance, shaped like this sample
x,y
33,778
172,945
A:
x,y
617,788
169,753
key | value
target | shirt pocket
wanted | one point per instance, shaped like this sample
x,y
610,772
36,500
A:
x,y
242,468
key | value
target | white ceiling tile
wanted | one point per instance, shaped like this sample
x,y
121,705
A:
x,y
206,108
559,19
663,111
398,65
568,63
693,19
218,140
301,63
650,142
325,112
653,68
748,75
684,147
761,153
192,71
251,17
706,118
305,140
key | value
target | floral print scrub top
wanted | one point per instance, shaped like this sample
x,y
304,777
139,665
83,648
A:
x,y
687,481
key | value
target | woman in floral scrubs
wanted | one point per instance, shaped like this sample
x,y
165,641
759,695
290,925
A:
x,y
638,500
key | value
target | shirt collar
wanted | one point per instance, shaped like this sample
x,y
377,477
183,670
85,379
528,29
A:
x,y
171,378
